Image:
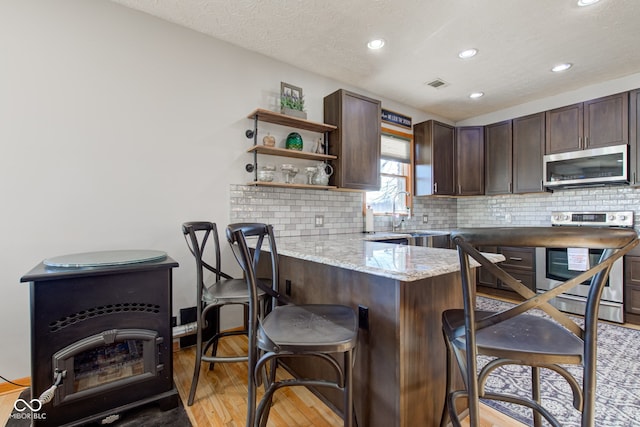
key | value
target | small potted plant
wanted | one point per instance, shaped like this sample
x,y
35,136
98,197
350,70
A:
x,y
292,101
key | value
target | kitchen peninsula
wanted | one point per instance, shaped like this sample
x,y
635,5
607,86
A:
x,y
400,292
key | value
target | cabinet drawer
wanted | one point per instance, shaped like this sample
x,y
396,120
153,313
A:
x,y
520,258
527,279
632,299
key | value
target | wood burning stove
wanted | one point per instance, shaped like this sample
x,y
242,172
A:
x,y
101,328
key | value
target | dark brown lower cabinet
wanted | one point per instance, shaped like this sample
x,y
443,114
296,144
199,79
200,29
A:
x,y
632,288
519,262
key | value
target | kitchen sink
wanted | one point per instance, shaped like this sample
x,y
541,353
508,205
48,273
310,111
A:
x,y
427,238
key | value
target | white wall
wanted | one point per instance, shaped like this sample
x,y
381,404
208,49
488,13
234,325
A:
x,y
115,128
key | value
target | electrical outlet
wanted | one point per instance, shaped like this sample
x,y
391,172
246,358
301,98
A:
x,y
425,219
363,317
319,220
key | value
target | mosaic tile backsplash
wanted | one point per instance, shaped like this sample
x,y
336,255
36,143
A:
x,y
294,212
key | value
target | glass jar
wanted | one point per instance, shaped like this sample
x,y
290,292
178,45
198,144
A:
x,y
266,173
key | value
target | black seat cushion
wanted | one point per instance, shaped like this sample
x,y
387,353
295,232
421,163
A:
x,y
525,337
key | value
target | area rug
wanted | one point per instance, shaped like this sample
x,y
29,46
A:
x,y
618,380
144,416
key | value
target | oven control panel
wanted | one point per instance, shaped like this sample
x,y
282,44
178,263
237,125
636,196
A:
x,y
593,219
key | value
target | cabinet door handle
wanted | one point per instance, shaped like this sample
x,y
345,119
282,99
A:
x,y
541,185
459,189
510,187
515,258
586,142
579,142
435,187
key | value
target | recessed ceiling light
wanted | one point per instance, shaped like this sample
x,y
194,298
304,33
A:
x,y
375,44
475,95
587,2
468,53
561,67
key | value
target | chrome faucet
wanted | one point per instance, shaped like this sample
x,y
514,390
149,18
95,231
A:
x,y
395,216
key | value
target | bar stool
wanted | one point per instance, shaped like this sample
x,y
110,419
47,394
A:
x,y
312,331
212,293
513,337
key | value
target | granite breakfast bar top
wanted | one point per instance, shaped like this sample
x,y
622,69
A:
x,y
361,252
402,291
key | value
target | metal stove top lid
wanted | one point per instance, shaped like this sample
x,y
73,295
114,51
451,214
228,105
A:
x,y
594,219
105,258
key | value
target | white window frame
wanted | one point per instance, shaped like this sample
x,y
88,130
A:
x,y
407,169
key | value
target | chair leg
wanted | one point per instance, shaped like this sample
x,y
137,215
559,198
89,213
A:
x,y
535,394
196,368
251,402
589,393
348,389
267,400
214,352
449,373
216,333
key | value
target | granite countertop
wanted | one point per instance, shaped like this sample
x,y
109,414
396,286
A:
x,y
357,252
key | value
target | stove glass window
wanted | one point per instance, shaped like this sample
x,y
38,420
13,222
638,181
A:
x,y
105,364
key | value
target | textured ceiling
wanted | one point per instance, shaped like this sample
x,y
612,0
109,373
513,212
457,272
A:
x,y
518,42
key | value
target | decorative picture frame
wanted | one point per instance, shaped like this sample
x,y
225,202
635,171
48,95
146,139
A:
x,y
292,100
290,91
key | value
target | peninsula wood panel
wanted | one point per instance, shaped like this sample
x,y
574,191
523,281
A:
x,y
399,373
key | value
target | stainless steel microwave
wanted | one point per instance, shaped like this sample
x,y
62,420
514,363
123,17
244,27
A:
x,y
595,166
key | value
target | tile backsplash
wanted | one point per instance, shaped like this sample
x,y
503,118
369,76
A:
x,y
535,209
294,212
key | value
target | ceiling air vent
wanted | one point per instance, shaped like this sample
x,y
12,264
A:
x,y
437,83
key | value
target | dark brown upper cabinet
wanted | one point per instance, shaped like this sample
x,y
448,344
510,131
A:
x,y
528,152
469,157
356,141
596,123
498,158
434,149
514,152
634,136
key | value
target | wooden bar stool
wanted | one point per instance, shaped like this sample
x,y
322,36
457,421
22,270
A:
x,y
213,292
317,331
514,337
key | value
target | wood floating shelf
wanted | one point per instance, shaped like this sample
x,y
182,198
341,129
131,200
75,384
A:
x,y
284,120
285,185
273,151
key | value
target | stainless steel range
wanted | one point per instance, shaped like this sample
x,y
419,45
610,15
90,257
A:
x,y
552,266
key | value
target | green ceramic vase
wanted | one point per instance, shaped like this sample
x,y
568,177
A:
x,y
294,141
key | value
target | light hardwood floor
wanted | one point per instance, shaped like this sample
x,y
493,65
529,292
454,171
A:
x,y
221,397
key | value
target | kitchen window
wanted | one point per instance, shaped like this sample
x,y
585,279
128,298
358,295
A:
x,y
395,173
